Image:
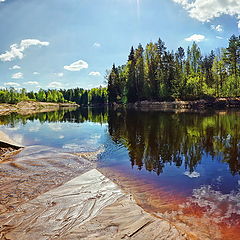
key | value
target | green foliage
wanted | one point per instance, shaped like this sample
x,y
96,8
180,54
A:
x,y
86,97
76,95
13,96
156,74
155,140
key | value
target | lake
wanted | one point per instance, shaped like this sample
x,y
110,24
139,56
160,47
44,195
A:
x,y
183,166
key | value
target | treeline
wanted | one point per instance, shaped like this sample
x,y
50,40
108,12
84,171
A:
x,y
86,97
156,74
14,96
77,95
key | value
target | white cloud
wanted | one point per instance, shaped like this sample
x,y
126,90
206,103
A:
x,y
32,83
97,45
36,73
55,126
94,74
218,37
18,138
55,85
218,206
16,50
34,128
15,67
206,10
196,38
76,66
17,75
59,74
73,147
12,128
192,174
2,1
218,28
11,84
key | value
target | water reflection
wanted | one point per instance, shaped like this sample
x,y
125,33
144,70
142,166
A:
x,y
96,115
154,139
189,162
73,130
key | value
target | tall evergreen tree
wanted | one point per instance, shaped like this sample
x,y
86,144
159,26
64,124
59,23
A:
x,y
132,92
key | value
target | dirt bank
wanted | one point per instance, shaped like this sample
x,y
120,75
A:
x,y
217,103
30,107
8,147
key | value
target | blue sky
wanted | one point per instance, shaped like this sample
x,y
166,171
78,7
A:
x,y
71,43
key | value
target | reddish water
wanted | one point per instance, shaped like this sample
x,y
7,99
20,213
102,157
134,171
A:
x,y
207,214
182,167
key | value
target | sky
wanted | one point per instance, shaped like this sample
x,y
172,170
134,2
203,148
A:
x,y
71,43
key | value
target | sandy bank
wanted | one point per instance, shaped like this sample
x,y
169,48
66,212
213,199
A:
x,y
217,103
8,146
30,107
49,194
36,170
41,198
89,206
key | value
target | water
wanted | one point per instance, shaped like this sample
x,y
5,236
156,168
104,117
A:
x,y
181,166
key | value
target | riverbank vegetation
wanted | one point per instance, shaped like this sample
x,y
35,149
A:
x,y
154,74
157,139
157,74
76,95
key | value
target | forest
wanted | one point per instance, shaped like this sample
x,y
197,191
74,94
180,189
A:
x,y
155,140
156,74
77,95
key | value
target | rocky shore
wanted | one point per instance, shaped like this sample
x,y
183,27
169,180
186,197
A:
x,y
217,103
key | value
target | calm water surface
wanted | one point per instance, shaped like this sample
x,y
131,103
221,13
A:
x,y
187,162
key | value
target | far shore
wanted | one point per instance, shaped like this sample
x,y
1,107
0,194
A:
x,y
201,104
30,107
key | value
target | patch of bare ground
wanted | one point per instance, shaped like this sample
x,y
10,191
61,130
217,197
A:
x,y
30,107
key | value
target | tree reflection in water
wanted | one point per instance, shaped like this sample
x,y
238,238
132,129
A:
x,y
154,139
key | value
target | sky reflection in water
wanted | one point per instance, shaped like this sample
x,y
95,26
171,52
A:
x,y
191,154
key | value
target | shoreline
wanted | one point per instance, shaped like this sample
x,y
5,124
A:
x,y
8,147
195,105
89,206
31,107
84,203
